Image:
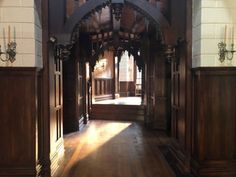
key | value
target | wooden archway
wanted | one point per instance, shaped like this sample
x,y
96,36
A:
x,y
145,8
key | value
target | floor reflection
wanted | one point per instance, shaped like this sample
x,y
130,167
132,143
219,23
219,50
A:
x,y
114,149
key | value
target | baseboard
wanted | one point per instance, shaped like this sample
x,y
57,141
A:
x,y
181,160
17,172
215,168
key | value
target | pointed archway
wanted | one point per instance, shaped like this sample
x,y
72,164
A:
x,y
151,12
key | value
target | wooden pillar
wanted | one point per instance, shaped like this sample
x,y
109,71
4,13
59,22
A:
x,y
148,81
114,78
159,86
118,75
143,86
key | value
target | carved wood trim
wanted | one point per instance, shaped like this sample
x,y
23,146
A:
x,y
152,13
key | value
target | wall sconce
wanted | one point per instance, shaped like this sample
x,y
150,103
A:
x,y
10,48
117,6
63,52
224,53
170,52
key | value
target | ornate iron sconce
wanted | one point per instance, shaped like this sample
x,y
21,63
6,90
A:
x,y
170,53
224,53
10,49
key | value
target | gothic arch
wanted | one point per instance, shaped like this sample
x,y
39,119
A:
x,y
145,8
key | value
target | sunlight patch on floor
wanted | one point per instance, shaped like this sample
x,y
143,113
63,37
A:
x,y
122,101
97,137
94,138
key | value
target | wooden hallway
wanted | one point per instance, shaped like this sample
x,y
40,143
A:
x,y
114,149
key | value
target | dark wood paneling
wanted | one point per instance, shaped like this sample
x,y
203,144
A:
x,y
127,89
56,110
181,18
103,86
156,90
70,123
18,129
74,85
159,88
179,108
214,122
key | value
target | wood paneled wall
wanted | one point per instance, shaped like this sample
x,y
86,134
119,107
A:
x,y
103,86
179,118
159,87
156,86
75,89
18,113
181,18
213,151
127,88
56,109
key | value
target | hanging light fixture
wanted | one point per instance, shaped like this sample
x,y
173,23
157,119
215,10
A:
x,y
117,6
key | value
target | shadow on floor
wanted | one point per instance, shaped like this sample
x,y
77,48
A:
x,y
114,149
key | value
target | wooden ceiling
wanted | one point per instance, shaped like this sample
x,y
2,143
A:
x,y
104,20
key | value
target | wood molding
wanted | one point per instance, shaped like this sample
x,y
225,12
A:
x,y
86,9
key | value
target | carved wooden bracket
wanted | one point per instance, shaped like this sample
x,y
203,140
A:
x,y
63,52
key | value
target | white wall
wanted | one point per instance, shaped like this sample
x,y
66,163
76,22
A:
x,y
126,68
209,20
23,16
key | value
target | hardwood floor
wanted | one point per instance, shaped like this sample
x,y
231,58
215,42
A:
x,y
114,149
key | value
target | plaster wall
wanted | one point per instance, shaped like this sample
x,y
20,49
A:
x,y
23,17
209,20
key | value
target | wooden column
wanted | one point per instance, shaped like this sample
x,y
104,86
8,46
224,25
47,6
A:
x,y
159,87
56,109
143,85
181,84
145,52
74,84
114,78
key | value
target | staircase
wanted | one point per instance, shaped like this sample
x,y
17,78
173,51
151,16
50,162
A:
x,y
117,112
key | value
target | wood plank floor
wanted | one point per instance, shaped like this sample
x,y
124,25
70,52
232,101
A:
x,y
114,149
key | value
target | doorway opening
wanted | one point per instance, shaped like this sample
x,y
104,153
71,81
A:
x,y
115,43
125,75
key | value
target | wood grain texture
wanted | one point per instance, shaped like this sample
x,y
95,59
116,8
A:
x,y
114,149
214,122
181,83
74,94
18,113
127,88
117,112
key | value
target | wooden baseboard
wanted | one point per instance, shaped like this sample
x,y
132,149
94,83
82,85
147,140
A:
x,y
218,168
17,172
